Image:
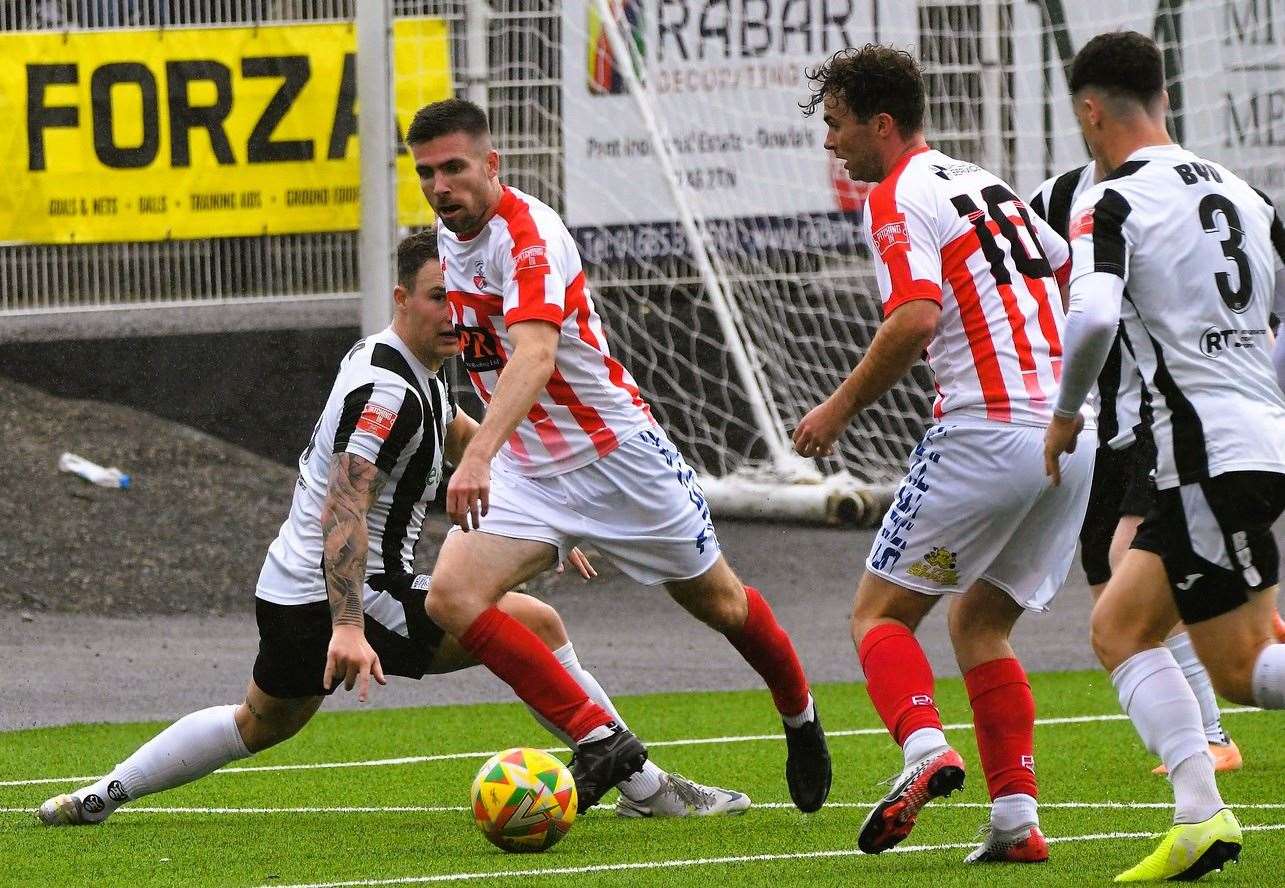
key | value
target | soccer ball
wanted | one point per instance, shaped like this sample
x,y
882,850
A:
x,y
524,800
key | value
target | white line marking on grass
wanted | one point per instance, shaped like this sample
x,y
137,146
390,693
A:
x,y
602,812
711,861
656,744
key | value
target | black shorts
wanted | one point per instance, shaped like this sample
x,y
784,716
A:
x,y
1123,484
1215,538
294,638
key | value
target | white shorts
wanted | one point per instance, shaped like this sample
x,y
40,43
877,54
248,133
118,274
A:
x,y
976,504
640,506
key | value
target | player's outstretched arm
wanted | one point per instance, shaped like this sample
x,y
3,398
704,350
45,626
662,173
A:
x,y
900,342
354,486
525,374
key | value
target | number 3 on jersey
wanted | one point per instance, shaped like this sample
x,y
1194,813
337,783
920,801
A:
x,y
1211,205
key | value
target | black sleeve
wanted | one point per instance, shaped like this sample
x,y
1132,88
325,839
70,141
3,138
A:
x,y
1109,214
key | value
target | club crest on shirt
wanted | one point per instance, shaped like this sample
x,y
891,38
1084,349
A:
x,y
890,235
937,566
1082,225
479,279
377,419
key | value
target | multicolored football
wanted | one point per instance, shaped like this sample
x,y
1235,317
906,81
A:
x,y
524,800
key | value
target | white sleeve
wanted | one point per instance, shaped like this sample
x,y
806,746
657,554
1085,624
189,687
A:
x,y
1092,321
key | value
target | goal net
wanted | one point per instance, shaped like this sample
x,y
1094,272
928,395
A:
x,y
723,245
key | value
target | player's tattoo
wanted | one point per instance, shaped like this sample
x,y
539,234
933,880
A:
x,y
355,485
256,713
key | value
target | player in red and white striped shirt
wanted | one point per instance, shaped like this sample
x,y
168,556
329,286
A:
x,y
966,274
569,451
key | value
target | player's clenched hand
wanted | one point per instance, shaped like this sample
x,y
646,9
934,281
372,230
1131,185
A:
x,y
818,431
1060,438
468,496
352,660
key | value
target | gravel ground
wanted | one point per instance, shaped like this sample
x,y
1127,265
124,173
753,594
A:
x,y
188,536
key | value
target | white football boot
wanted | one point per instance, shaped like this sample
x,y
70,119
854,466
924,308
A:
x,y
680,797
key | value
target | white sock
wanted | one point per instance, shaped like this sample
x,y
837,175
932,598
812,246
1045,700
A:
x,y
1011,811
639,786
923,743
809,712
1195,790
1269,677
1166,715
190,748
1198,677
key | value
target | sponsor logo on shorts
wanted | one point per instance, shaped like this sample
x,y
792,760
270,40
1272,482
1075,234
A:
x,y
937,566
93,803
377,419
1189,582
116,792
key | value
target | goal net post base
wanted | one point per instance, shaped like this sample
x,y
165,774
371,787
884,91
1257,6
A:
x,y
765,495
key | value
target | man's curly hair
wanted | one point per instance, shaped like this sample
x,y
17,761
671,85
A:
x,y
1120,63
872,80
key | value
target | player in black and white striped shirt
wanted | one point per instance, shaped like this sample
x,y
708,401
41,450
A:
x,y
337,599
1203,258
1124,485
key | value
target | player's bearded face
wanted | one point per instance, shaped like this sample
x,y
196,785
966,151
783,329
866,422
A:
x,y
852,141
457,174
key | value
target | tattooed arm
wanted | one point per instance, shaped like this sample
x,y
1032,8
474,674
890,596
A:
x,y
354,486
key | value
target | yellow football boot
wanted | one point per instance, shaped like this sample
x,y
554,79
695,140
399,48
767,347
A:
x,y
1190,850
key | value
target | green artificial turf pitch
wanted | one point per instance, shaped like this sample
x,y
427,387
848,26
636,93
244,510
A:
x,y
416,828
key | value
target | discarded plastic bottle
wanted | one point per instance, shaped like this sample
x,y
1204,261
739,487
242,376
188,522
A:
x,y
92,472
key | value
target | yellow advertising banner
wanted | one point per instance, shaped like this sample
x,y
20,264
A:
x,y
203,132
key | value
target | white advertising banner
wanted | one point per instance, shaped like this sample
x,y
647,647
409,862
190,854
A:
x,y
727,76
727,79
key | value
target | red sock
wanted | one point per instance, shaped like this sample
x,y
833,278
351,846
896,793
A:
x,y
767,647
898,680
518,656
1004,716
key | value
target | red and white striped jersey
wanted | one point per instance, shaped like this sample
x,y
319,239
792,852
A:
x,y
947,230
524,266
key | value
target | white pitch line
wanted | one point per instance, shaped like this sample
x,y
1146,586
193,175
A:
x,y
656,744
762,806
712,861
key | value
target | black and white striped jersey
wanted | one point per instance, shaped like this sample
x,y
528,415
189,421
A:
x,y
1198,251
385,407
1121,401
